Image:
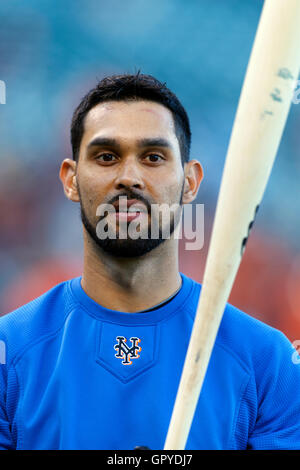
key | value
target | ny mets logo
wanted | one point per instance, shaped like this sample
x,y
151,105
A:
x,y
126,353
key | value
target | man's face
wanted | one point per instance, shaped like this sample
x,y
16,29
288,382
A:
x,y
128,149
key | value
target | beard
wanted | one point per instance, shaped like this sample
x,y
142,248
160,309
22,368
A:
x,y
128,247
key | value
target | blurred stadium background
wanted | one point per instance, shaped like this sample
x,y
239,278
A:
x,y
52,53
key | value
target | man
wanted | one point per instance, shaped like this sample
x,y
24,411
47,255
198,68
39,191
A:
x,y
95,362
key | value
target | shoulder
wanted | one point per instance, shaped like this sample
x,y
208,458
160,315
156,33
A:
x,y
251,341
40,317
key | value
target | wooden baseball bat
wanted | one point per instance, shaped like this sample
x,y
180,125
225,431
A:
x,y
261,115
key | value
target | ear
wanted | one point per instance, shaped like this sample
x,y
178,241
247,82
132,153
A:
x,y
193,175
67,176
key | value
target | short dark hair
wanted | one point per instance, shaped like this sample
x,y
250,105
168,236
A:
x,y
132,87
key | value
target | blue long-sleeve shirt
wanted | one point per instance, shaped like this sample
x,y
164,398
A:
x,y
76,375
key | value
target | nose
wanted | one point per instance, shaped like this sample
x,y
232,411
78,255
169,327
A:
x,y
129,176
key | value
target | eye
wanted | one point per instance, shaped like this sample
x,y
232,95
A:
x,y
153,158
106,158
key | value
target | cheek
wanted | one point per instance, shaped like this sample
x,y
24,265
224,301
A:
x,y
90,195
170,191
93,186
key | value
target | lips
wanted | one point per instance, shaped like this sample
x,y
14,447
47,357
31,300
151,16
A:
x,y
129,209
129,206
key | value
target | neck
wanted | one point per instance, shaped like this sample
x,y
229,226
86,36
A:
x,y
130,284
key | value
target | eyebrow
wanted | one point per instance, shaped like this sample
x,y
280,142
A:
x,y
145,142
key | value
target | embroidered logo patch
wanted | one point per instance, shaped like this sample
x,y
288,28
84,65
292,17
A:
x,y
111,349
125,352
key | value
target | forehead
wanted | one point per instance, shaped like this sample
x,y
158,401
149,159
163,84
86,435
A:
x,y
129,120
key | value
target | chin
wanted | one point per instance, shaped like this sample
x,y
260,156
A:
x,y
128,248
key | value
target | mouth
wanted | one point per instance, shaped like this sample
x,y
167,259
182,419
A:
x,y
129,209
129,206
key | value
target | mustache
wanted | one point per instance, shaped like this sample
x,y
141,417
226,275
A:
x,y
131,195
